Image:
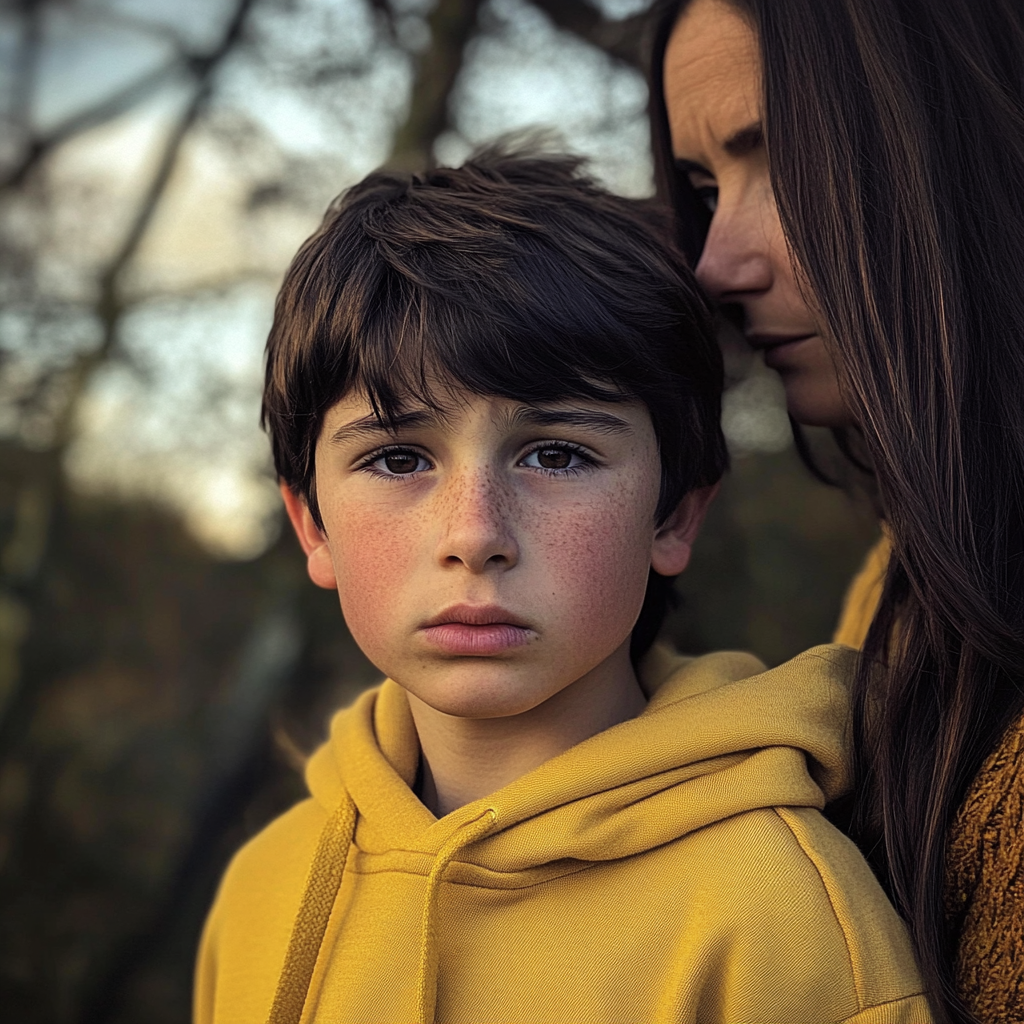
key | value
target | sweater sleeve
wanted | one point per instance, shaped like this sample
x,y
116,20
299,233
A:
x,y
985,860
985,886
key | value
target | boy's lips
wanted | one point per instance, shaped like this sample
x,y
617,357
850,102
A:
x,y
476,630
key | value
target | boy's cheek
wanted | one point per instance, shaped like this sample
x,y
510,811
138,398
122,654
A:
x,y
583,569
372,572
600,597
599,566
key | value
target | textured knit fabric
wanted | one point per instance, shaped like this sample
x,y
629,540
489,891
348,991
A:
x,y
985,859
673,868
985,886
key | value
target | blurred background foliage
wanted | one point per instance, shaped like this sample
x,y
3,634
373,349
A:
x,y
164,663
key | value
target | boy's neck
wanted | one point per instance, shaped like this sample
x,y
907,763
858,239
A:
x,y
464,759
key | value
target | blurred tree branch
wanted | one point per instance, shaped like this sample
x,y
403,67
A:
x,y
45,481
452,24
197,66
110,304
25,62
40,146
623,39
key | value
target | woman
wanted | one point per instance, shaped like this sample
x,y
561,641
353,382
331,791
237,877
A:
x,y
849,174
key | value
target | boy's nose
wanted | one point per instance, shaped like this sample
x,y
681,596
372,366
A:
x,y
477,514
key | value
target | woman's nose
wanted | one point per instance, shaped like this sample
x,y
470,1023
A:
x,y
736,260
479,516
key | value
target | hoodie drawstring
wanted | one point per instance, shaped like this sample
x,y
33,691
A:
x,y
318,902
426,988
314,913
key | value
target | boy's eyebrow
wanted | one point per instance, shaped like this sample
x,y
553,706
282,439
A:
x,y
594,419
525,415
371,425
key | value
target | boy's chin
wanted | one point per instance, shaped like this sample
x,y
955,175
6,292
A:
x,y
481,691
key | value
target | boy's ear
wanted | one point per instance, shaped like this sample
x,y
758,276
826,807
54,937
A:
x,y
673,540
313,540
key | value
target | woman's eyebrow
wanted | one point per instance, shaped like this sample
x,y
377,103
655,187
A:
x,y
593,419
746,139
742,141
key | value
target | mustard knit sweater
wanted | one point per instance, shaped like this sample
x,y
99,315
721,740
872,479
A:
x,y
985,860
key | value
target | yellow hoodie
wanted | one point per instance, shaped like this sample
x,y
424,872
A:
x,y
672,868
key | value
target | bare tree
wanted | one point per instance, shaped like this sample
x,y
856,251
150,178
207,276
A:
x,y
41,480
452,24
622,39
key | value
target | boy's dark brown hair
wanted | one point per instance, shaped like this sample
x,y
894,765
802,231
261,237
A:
x,y
515,276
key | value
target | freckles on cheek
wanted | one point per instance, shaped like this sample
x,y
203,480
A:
x,y
600,563
370,566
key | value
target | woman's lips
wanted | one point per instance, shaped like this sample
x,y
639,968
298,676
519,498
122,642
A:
x,y
779,352
464,638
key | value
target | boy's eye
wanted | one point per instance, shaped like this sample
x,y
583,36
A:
x,y
555,457
401,462
398,462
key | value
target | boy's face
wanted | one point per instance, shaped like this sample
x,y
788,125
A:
x,y
489,557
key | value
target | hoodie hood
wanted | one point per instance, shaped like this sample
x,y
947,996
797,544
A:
x,y
720,736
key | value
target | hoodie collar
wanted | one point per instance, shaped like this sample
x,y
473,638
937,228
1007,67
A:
x,y
715,740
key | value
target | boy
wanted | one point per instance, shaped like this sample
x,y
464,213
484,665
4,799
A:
x,y
493,397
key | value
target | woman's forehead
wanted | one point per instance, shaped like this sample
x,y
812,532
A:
x,y
712,77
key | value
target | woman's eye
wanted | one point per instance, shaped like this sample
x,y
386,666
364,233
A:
x,y
708,195
399,462
554,457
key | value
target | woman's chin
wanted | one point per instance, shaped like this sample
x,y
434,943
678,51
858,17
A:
x,y
816,403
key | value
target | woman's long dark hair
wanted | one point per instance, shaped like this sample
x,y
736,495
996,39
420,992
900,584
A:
x,y
895,136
